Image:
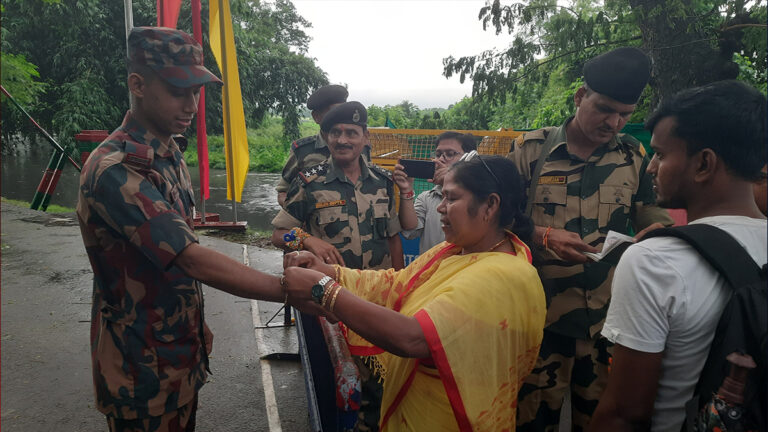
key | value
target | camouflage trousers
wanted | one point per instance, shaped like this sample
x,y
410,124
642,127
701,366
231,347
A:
x,y
180,420
370,397
565,365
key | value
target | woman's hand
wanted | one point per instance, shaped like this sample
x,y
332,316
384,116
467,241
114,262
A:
x,y
308,260
401,179
298,283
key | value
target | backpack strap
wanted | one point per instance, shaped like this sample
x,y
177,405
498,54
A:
x,y
719,248
549,144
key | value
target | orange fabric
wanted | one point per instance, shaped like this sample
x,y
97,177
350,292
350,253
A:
x,y
482,315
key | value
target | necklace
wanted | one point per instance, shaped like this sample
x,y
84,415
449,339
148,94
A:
x,y
498,244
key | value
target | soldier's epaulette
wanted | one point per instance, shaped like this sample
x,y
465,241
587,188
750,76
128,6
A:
x,y
632,142
383,171
138,156
308,175
536,135
303,141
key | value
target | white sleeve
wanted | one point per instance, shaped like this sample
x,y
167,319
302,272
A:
x,y
421,213
646,291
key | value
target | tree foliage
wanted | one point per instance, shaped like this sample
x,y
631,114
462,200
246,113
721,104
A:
x,y
65,60
690,42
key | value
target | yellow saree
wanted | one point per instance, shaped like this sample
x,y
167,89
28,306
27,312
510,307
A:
x,y
482,315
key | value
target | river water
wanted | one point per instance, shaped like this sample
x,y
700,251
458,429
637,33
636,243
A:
x,y
21,173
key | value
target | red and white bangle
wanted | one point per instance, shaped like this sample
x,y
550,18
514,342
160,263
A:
x,y
408,195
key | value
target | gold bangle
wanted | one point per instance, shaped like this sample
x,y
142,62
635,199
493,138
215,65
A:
x,y
333,300
327,294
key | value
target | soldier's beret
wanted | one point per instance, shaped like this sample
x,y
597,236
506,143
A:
x,y
620,74
327,95
346,113
174,55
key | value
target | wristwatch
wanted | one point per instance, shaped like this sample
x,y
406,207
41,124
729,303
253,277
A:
x,y
318,289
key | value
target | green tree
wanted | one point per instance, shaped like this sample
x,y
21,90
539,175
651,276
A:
x,y
78,47
690,42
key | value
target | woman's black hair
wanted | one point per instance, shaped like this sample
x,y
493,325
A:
x,y
495,174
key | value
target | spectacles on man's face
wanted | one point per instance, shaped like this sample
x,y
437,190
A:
x,y
448,154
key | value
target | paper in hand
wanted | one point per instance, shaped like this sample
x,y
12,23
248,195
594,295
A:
x,y
614,246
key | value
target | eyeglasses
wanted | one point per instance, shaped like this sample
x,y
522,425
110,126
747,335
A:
x,y
449,154
466,157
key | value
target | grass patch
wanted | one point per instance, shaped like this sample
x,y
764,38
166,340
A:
x,y
250,237
267,148
52,208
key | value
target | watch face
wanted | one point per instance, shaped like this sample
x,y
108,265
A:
x,y
317,293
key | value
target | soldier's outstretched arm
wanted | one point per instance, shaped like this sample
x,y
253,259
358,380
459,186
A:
x,y
222,272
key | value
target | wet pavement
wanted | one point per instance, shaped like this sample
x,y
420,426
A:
x,y
45,291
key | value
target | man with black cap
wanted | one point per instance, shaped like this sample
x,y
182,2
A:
x,y
312,150
345,204
149,340
585,178
343,211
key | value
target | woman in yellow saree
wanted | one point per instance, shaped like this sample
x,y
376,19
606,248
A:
x,y
455,332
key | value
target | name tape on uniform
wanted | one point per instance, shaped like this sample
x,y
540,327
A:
x,y
552,180
326,204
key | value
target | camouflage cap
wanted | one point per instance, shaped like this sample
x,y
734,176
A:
x,y
346,113
174,55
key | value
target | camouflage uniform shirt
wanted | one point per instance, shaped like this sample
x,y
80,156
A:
x,y
355,218
147,328
307,152
608,191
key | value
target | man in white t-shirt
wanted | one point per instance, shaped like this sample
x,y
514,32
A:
x,y
710,145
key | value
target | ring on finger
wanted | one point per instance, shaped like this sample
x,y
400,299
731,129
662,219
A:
x,y
297,253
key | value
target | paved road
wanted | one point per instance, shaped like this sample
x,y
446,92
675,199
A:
x,y
45,291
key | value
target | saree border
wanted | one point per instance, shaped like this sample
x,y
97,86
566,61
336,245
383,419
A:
x,y
446,374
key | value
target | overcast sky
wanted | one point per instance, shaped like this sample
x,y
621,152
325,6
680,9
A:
x,y
387,51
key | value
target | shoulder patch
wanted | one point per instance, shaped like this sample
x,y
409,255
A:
x,y
632,143
303,141
536,135
379,170
139,156
310,174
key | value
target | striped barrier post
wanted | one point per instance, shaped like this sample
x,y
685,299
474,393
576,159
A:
x,y
48,183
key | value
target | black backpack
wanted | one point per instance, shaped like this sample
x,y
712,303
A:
x,y
743,326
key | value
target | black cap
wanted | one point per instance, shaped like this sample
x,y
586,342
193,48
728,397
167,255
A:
x,y
326,96
346,113
620,74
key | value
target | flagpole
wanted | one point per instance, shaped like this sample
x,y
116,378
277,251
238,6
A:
x,y
201,130
225,109
128,21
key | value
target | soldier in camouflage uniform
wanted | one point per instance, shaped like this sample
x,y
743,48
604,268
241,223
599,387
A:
x,y
348,207
591,180
312,150
345,203
149,340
